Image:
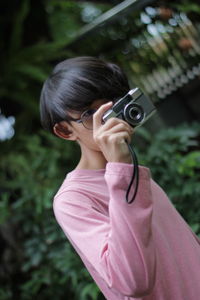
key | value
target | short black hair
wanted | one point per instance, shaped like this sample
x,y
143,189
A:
x,y
75,83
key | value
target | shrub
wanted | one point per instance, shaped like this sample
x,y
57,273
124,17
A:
x,y
173,156
41,262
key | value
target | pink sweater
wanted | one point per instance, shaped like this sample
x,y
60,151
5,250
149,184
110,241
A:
x,y
144,250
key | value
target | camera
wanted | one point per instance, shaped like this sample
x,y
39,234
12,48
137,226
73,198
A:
x,y
134,108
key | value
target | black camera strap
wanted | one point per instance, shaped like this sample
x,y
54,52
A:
x,y
135,176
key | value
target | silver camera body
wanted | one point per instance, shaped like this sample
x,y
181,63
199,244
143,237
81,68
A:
x,y
134,108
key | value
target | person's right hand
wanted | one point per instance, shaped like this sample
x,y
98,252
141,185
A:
x,y
112,137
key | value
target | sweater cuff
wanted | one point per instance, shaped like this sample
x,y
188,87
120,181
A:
x,y
124,169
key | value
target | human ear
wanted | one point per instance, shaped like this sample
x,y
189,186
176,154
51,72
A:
x,y
64,131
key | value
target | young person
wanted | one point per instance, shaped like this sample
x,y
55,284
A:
x,y
143,250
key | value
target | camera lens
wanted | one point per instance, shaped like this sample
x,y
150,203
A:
x,y
134,114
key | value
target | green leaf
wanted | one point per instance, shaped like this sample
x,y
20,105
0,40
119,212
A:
x,y
18,28
34,72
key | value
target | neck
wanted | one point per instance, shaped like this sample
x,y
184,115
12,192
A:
x,y
92,160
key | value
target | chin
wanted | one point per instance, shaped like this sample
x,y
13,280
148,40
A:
x,y
96,148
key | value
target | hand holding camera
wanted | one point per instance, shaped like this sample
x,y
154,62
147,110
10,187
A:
x,y
118,120
134,108
111,137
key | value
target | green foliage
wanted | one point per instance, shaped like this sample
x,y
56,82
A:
x,y
187,7
25,66
36,42
30,175
173,156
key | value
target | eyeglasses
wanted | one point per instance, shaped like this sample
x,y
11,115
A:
x,y
86,118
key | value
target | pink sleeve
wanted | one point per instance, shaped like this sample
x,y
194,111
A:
x,y
120,247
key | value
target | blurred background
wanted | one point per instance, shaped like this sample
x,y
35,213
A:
x,y
157,43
